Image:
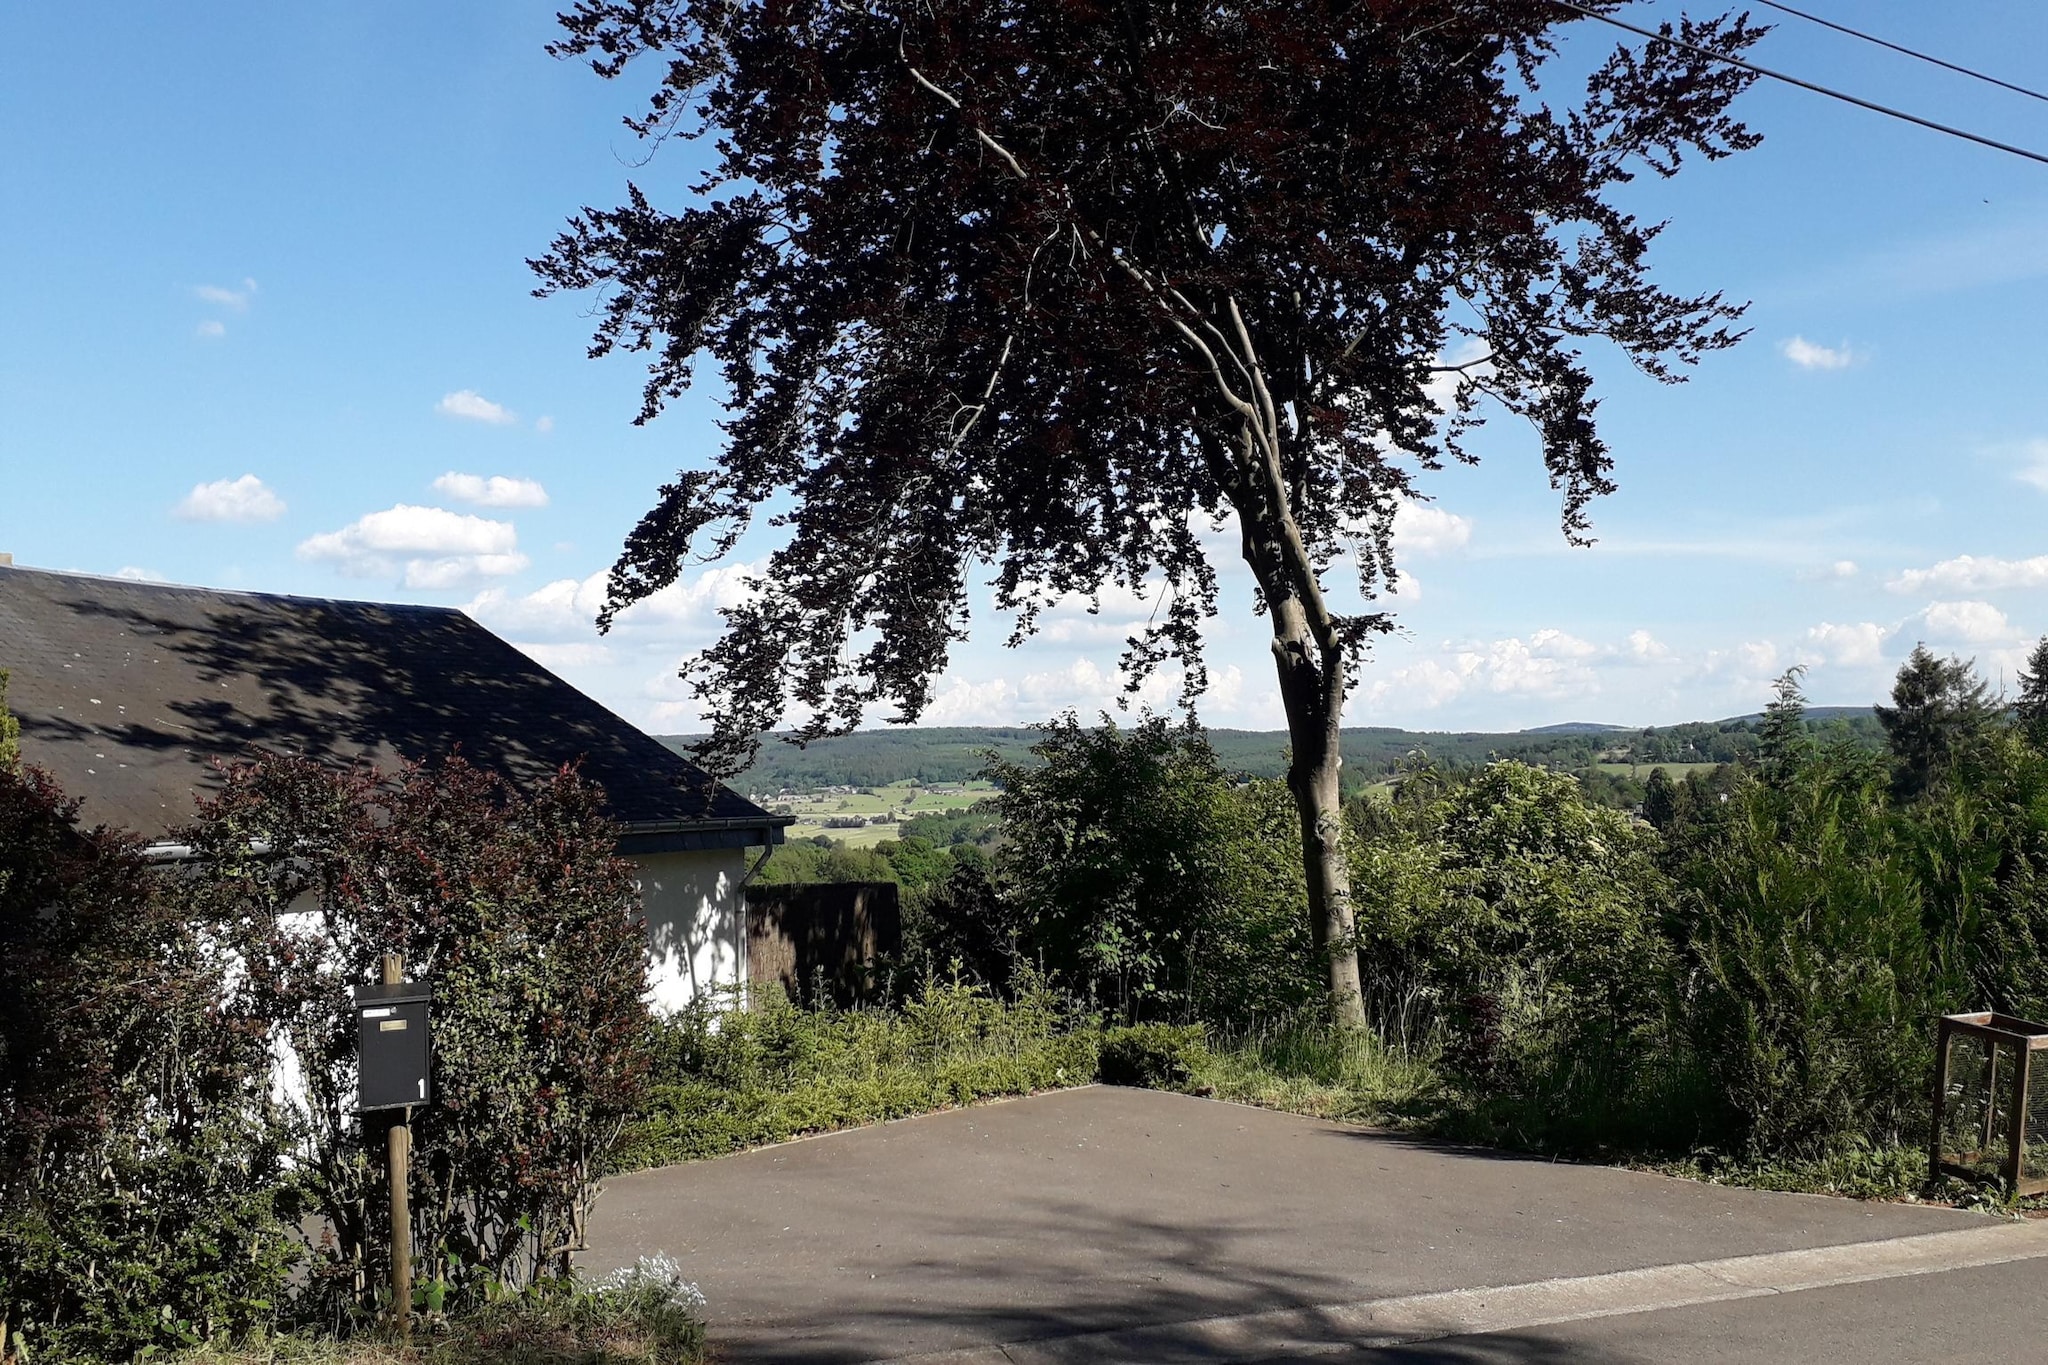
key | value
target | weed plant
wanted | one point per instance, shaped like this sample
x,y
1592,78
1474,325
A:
x,y
1302,1065
646,1314
727,1079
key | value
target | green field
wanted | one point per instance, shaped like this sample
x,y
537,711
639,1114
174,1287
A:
x,y
902,799
1675,771
952,755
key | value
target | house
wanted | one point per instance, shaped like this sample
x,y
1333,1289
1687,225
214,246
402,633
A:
x,y
128,692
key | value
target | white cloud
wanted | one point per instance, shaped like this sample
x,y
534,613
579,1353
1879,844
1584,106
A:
x,y
1975,623
472,406
136,575
1442,387
429,547
1550,663
496,491
2035,469
1425,529
1854,645
1080,685
1087,687
1555,644
971,703
567,608
556,657
1426,685
1111,616
1840,571
1972,573
1750,664
543,425
1759,656
245,499
210,329
1809,355
1646,648
236,300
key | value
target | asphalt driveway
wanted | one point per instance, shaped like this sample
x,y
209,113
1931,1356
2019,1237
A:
x,y
1066,1216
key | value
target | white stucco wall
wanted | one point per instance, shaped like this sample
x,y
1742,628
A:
x,y
696,923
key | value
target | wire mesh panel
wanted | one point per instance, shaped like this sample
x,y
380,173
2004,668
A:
x,y
1990,1110
1971,1127
2034,1154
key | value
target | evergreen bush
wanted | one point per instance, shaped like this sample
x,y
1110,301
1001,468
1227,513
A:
x,y
142,1191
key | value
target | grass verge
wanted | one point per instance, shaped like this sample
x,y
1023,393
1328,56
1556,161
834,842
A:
x,y
1357,1077
753,1077
645,1315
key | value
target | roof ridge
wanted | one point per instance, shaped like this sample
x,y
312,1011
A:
x,y
159,585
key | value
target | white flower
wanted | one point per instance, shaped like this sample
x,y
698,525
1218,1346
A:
x,y
658,1275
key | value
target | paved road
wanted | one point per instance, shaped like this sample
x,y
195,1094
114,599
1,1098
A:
x,y
1068,1216
1988,1316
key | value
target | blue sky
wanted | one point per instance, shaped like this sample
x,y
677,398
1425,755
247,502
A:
x,y
265,291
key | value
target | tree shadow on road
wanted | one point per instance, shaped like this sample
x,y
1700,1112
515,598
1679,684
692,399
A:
x,y
1442,1146
1016,1282
1495,1348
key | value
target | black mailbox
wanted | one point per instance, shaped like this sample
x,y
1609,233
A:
x,y
391,1033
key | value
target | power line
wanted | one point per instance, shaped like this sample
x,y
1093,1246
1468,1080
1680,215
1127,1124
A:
x,y
1856,100
1910,52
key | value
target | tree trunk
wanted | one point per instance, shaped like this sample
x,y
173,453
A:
x,y
1308,639
1312,691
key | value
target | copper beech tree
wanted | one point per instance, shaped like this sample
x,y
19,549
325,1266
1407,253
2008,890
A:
x,y
1045,288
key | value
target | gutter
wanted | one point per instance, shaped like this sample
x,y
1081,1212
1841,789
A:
x,y
770,826
762,821
182,853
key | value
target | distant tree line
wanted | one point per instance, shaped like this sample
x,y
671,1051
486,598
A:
x,y
955,754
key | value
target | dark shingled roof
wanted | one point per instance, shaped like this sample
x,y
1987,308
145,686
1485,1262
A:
x,y
128,691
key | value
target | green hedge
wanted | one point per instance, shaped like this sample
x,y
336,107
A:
x,y
727,1082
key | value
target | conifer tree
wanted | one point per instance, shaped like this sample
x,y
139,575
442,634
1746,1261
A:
x,y
1782,741
2032,707
1660,799
1940,711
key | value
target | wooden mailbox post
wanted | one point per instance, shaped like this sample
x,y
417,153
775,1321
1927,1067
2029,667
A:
x,y
395,1073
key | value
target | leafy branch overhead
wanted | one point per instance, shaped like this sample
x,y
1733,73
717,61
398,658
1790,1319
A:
x,y
1052,287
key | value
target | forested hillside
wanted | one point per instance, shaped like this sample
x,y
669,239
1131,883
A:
x,y
947,754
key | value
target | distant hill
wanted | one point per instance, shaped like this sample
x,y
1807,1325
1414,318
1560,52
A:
x,y
946,754
1817,714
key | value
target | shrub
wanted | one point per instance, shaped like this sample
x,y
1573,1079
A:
x,y
139,1176
1525,917
644,1315
1148,882
1812,977
1155,1056
728,1081
10,730
517,906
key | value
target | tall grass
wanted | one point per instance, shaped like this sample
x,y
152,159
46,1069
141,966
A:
x,y
727,1081
1303,1065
